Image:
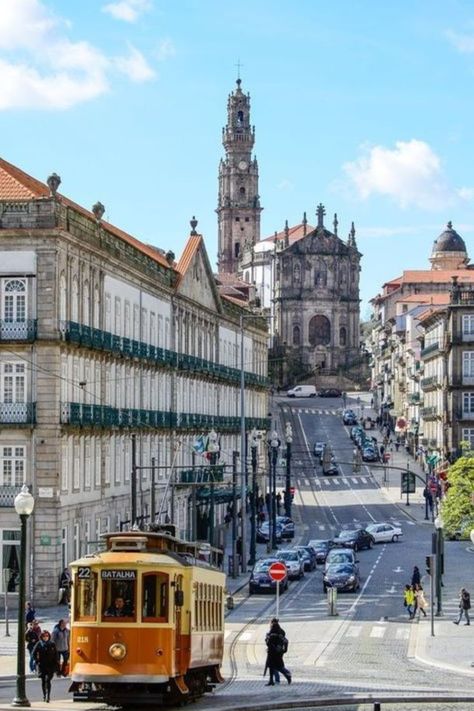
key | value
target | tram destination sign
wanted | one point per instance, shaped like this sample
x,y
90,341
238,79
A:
x,y
118,574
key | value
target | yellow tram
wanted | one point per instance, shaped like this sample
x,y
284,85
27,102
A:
x,y
147,620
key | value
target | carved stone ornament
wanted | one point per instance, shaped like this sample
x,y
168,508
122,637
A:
x,y
53,181
98,209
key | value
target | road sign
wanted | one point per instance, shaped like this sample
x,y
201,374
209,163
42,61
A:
x,y
277,571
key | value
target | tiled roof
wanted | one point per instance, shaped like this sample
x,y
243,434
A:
x,y
425,315
294,233
432,276
17,185
226,279
192,246
437,298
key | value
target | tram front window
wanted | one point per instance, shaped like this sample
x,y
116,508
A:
x,y
85,596
118,594
155,597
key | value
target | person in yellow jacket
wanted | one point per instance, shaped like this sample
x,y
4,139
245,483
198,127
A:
x,y
409,600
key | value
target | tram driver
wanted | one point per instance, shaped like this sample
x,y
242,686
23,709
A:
x,y
118,609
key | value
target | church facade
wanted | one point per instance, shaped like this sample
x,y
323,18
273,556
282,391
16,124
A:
x,y
306,279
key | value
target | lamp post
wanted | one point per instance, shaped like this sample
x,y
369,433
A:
x,y
24,505
274,445
289,440
213,449
253,519
439,552
243,453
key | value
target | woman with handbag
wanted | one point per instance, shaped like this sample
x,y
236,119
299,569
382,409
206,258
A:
x,y
46,658
420,600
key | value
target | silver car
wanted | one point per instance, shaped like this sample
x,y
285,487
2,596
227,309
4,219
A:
x,y
384,532
338,556
294,563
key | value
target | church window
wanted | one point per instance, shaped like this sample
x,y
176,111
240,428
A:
x,y
320,274
236,249
237,219
342,276
342,336
240,116
319,332
247,219
297,272
296,335
242,191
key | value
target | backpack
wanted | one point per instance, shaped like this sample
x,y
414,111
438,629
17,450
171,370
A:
x,y
279,645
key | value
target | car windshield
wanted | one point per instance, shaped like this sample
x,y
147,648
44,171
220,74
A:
x,y
263,565
319,545
347,534
288,555
304,552
339,557
340,568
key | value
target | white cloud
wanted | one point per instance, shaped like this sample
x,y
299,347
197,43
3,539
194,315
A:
x,y
464,43
285,184
135,66
40,67
127,10
410,174
165,49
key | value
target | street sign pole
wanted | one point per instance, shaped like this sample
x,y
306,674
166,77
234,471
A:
x,y
408,484
278,599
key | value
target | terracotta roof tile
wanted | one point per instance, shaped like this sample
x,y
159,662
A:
x,y
17,185
295,233
190,249
436,298
432,276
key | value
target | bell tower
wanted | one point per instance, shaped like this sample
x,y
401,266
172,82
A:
x,y
238,206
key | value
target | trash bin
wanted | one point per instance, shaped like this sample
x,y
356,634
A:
x,y
230,601
332,602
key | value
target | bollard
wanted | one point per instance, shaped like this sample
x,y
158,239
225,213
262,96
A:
x,y
230,602
332,602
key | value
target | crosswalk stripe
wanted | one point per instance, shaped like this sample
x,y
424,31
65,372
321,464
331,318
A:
x,y
354,480
353,631
402,632
322,527
363,480
377,631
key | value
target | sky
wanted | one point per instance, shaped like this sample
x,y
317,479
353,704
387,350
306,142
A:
x,y
365,106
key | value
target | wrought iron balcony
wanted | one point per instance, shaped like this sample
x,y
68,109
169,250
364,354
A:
x,y
17,413
430,383
429,413
18,330
430,350
414,398
7,496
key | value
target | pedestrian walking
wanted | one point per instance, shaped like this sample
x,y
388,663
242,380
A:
x,y
60,637
46,660
278,503
464,606
277,646
420,601
32,637
30,612
415,577
409,600
64,587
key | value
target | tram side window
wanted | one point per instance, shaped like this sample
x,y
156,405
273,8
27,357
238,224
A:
x,y
118,596
85,595
155,597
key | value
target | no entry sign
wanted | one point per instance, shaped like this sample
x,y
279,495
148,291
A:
x,y
277,571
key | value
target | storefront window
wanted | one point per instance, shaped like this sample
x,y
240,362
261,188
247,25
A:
x,y
10,542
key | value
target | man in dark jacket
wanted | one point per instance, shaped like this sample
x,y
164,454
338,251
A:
x,y
277,645
464,606
416,577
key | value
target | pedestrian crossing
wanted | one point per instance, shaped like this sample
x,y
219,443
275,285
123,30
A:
x,y
314,411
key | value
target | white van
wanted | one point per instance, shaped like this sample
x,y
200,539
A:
x,y
302,391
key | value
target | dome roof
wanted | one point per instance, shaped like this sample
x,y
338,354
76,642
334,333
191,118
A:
x,y
449,241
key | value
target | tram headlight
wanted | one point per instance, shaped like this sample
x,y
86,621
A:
x,y
117,651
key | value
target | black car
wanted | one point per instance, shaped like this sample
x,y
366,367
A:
x,y
263,533
322,548
356,539
330,392
287,526
309,557
260,580
342,576
349,418
370,454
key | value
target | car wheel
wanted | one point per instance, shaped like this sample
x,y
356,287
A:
x,y
370,544
394,539
325,588
356,548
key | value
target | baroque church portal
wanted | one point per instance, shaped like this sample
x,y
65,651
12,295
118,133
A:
x,y
306,279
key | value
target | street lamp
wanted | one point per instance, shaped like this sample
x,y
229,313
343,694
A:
x,y
213,450
289,440
24,505
253,519
439,552
273,450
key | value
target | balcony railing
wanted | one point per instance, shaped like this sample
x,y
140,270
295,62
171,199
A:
x,y
429,413
430,383
18,330
7,496
103,340
414,398
428,350
17,413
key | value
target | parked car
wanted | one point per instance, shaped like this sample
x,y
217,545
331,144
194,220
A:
x,y
263,533
349,418
370,454
302,391
354,430
383,532
330,392
309,557
260,581
318,450
330,469
287,526
342,576
322,548
356,539
337,556
294,563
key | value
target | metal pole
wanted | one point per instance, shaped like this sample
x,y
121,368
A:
x,y
408,485
253,520
152,491
427,493
211,508
133,480
194,504
274,506
432,595
243,491
278,599
270,499
20,698
438,543
288,475
235,567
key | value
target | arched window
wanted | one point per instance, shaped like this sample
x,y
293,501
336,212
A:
x,y
75,300
62,298
319,332
14,300
240,116
297,273
320,274
296,335
342,336
342,275
242,192
96,307
85,303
